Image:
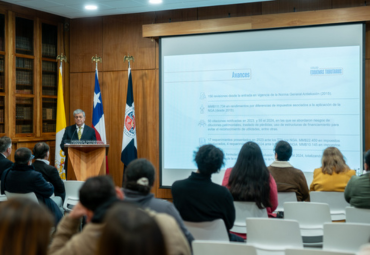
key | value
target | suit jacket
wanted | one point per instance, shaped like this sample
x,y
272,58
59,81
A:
x,y
21,178
71,134
4,164
51,174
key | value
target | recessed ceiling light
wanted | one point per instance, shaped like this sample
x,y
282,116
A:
x,y
91,7
155,1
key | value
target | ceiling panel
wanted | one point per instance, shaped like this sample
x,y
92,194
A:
x,y
75,8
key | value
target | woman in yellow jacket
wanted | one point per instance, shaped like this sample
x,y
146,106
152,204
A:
x,y
334,173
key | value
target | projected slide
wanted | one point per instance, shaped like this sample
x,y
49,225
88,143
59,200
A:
x,y
309,97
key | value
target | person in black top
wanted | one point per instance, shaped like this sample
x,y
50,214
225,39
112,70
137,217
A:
x,y
50,173
5,151
198,199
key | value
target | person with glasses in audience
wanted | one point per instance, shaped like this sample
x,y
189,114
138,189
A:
x,y
5,151
357,191
25,227
22,178
334,173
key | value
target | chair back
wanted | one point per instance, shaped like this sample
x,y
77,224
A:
x,y
310,216
345,237
273,236
285,197
222,248
245,210
30,195
357,215
72,194
208,230
314,252
2,197
335,200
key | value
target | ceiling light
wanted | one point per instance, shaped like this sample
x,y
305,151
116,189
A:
x,y
155,1
91,7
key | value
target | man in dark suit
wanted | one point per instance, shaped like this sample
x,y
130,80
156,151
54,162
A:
x,y
5,151
22,178
79,131
41,152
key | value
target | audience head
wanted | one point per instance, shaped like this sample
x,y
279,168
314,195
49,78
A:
x,y
333,160
5,146
23,156
367,161
41,150
25,227
129,230
283,151
250,179
96,191
209,159
139,176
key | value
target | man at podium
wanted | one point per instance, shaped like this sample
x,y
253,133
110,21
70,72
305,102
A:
x,y
77,132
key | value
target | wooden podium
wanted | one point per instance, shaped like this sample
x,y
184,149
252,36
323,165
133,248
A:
x,y
86,160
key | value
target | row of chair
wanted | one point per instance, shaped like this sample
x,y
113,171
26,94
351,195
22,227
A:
x,y
274,236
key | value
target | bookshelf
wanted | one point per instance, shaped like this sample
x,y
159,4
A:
x,y
2,114
49,115
24,115
24,76
49,78
23,36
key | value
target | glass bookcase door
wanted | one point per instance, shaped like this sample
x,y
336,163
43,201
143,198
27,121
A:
x,y
2,73
24,75
2,114
24,115
49,115
49,41
2,32
49,78
24,36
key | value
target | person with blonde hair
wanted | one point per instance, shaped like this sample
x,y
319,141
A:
x,y
25,227
334,173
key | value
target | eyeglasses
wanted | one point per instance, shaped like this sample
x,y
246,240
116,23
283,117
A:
x,y
32,157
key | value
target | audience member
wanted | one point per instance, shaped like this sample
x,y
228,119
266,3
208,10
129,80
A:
x,y
250,180
288,178
334,173
22,178
131,231
5,151
138,181
25,227
97,195
357,192
198,199
41,152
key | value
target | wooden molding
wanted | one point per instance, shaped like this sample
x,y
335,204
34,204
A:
x,y
322,17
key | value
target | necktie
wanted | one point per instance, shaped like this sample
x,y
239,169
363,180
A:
x,y
79,133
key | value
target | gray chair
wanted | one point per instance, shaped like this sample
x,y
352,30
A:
x,y
335,200
245,210
208,230
30,195
357,215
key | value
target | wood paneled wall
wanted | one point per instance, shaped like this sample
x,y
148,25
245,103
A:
x,y
112,37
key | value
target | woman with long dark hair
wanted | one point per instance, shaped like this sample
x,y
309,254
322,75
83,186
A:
x,y
250,180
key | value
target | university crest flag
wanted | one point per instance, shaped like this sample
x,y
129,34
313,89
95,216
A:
x,y
129,142
60,127
98,120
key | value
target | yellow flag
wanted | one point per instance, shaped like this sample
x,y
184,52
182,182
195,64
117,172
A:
x,y
61,126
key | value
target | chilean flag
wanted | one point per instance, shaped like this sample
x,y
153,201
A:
x,y
98,121
129,142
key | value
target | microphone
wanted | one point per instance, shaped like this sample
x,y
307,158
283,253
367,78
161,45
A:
x,y
73,134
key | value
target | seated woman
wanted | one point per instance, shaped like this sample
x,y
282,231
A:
x,y
138,181
357,192
25,227
334,173
198,199
250,180
131,231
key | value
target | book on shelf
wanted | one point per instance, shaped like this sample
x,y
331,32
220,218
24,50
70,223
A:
x,y
47,127
49,50
2,115
23,43
1,128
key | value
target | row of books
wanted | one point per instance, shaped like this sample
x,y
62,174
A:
x,y
49,92
2,81
49,50
24,77
2,129
47,127
49,80
2,115
24,91
23,113
1,64
24,128
24,101
49,66
49,113
23,43
24,63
